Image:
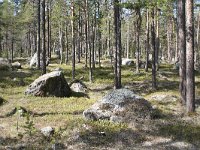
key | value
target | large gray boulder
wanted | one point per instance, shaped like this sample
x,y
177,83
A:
x,y
50,84
121,105
127,62
5,64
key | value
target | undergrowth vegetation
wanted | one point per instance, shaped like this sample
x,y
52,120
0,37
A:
x,y
65,114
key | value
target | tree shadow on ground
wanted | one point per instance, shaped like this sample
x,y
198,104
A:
x,y
102,138
179,131
79,94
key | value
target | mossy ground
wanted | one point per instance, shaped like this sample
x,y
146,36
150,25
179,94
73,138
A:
x,y
73,132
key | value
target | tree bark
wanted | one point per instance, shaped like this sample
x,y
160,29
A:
x,y
190,82
117,33
86,33
147,41
44,37
154,84
38,36
138,26
181,41
73,40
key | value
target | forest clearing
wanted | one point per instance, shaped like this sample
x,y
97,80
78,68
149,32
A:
x,y
171,128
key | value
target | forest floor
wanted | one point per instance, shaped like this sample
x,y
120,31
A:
x,y
171,129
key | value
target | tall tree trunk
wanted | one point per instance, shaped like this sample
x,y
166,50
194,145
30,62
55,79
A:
x,y
138,24
43,32
197,41
38,36
61,43
12,49
86,33
157,39
147,41
67,44
73,40
79,35
128,40
48,29
117,33
169,39
153,34
99,37
94,39
182,49
190,82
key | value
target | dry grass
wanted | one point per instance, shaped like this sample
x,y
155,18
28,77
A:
x,y
171,125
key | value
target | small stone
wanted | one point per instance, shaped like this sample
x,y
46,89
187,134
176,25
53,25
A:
x,y
16,65
47,131
127,62
78,86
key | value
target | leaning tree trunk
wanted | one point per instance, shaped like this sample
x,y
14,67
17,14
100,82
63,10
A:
x,y
190,83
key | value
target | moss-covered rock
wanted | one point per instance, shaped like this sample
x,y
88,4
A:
x,y
121,105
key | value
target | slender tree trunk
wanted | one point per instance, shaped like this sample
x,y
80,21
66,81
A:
x,y
43,32
94,40
38,36
139,20
117,33
48,29
79,36
99,37
147,41
12,50
196,60
86,33
73,40
154,84
169,39
50,38
177,50
190,82
61,43
182,49
67,45
157,39
128,40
